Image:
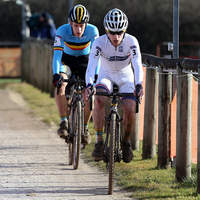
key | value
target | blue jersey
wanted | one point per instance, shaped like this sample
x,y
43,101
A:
x,y
65,42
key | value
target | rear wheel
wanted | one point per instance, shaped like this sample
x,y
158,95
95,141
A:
x,y
77,127
112,154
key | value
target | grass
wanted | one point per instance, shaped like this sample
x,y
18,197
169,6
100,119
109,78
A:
x,y
141,178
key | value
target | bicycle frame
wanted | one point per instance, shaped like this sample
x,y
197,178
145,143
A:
x,y
76,122
113,152
113,110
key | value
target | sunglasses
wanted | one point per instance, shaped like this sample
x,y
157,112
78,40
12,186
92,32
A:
x,y
113,33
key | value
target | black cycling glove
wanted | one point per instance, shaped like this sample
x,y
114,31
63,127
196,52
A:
x,y
138,87
56,80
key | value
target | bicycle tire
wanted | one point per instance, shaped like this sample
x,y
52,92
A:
x,y
70,142
77,127
112,154
70,153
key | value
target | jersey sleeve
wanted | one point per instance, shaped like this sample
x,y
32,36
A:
x,y
93,63
95,34
58,51
136,60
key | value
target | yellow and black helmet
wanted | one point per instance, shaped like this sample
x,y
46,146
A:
x,y
79,14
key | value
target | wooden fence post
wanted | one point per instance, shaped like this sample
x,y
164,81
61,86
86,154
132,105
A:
x,y
25,60
164,118
183,125
51,87
45,84
33,63
135,142
150,113
39,66
198,144
135,134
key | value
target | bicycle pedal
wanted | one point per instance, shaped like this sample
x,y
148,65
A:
x,y
62,136
66,138
97,160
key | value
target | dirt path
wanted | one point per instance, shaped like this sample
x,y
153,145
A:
x,y
34,162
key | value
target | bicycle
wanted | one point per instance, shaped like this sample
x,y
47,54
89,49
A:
x,y
75,120
112,149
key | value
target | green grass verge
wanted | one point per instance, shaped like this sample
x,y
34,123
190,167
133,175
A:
x,y
141,178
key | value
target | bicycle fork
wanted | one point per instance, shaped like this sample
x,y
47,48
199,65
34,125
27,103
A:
x,y
118,151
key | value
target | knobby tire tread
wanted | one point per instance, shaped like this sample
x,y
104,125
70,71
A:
x,y
70,142
112,154
77,139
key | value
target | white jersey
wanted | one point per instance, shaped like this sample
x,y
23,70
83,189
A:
x,y
116,63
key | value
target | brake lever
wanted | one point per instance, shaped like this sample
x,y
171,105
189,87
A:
x,y
59,83
90,97
137,100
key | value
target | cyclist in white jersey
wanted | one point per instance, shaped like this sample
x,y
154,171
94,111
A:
x,y
117,51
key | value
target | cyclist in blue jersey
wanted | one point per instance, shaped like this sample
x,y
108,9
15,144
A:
x,y
72,46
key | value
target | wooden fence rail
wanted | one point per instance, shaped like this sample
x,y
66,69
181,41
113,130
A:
x,y
37,56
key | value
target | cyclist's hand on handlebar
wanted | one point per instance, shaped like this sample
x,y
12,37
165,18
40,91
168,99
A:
x,y
139,91
57,80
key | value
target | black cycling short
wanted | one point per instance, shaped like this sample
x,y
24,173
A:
x,y
75,64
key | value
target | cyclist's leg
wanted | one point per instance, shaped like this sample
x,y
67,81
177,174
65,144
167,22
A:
x,y
99,112
129,122
61,102
129,117
87,112
104,85
128,105
86,138
98,119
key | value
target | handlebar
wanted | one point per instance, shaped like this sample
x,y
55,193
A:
x,y
73,80
137,103
90,98
117,94
122,95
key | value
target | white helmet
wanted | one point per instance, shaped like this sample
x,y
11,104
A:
x,y
115,20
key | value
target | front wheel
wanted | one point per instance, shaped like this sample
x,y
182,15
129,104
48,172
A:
x,y
70,140
77,127
70,152
112,154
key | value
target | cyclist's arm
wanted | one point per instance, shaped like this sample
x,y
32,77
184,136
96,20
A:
x,y
52,30
92,64
58,52
136,61
95,35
